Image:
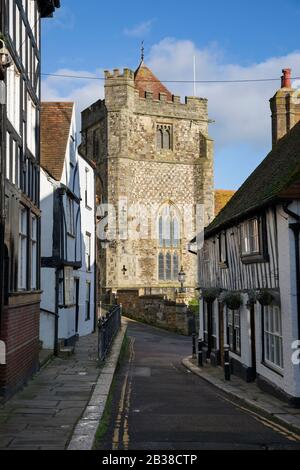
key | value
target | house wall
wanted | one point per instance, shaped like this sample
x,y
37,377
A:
x,y
87,226
280,274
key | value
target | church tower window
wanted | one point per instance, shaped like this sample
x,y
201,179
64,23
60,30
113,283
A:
x,y
164,137
169,243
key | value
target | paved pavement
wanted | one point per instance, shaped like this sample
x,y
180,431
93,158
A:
x,y
44,414
158,404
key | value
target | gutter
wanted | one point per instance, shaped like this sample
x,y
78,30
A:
x,y
295,227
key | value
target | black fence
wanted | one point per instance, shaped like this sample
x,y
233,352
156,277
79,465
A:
x,y
108,327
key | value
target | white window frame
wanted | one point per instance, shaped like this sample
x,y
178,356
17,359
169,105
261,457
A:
x,y
250,237
273,340
69,286
70,216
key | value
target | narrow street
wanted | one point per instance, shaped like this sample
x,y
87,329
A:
x,y
159,405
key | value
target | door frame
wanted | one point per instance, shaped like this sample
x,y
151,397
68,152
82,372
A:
x,y
77,297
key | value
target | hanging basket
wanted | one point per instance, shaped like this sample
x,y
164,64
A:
x,y
233,300
210,294
264,297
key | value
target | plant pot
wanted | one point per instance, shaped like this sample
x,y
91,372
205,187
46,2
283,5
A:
x,y
233,301
265,298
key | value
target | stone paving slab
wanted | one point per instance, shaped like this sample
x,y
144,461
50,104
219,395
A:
x,y
248,394
85,431
44,414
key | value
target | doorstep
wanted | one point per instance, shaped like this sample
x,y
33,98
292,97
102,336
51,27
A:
x,y
248,394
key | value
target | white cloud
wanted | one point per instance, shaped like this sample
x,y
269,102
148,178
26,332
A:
x,y
83,92
139,30
241,111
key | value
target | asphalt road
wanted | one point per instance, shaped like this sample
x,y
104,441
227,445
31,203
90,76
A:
x,y
159,405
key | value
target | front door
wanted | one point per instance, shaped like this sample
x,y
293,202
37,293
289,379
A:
x,y
77,306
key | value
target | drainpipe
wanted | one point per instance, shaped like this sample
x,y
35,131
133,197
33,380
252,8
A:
x,y
295,227
56,318
2,173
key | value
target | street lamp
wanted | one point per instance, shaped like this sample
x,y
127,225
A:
x,y
181,279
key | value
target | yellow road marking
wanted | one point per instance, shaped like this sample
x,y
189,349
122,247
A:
x,y
291,436
124,404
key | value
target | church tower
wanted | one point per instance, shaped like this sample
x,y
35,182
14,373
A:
x,y
155,164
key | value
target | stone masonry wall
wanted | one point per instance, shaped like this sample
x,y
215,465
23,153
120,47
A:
x,y
154,310
134,171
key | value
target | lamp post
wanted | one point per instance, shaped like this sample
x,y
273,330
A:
x,y
181,279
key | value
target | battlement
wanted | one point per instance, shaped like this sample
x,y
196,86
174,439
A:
x,y
127,74
93,114
189,101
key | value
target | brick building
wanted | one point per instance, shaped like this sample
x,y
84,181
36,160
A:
x,y
20,213
155,164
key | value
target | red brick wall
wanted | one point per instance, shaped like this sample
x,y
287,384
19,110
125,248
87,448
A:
x,y
20,331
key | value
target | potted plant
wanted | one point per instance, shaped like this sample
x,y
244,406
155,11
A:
x,y
264,297
233,300
210,294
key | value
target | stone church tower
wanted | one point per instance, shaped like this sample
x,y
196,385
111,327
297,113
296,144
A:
x,y
154,164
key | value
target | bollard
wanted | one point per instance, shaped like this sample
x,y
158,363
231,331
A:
x,y
226,362
200,352
194,344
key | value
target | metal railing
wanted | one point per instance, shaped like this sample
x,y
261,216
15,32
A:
x,y
108,327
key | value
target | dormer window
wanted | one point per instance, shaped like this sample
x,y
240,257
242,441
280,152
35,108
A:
x,y
164,137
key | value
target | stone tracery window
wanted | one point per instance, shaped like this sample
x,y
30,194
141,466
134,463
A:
x,y
164,136
169,229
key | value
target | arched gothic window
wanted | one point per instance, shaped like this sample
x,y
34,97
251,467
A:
x,y
164,137
159,138
169,242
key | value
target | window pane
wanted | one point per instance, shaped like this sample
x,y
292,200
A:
x,y
168,267
175,266
161,266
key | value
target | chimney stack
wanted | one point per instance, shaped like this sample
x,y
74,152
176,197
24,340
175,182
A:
x,y
285,107
286,81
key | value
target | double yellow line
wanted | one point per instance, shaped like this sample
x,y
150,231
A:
x,y
124,406
291,436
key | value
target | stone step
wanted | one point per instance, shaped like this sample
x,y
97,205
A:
x,y
66,351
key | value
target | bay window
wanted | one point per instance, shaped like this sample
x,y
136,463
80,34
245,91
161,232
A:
x,y
23,249
34,253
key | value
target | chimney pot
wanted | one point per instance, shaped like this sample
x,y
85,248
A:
x,y
286,81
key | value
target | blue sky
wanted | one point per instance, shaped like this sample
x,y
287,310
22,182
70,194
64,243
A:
x,y
231,40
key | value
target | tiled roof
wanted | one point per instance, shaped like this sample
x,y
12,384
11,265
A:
x,y
275,179
145,80
222,197
55,129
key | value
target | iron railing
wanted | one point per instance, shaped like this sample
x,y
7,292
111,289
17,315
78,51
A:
x,y
108,327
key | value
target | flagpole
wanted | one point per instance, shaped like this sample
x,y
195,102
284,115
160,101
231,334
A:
x,y
194,75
